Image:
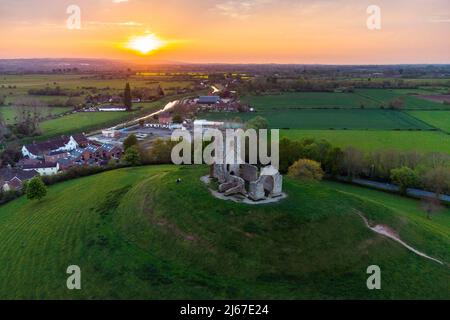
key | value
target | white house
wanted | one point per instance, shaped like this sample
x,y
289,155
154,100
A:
x,y
111,133
112,109
44,169
37,150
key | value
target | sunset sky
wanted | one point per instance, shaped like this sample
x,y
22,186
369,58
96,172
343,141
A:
x,y
229,31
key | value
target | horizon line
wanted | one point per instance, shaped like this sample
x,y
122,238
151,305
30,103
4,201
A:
x,y
162,62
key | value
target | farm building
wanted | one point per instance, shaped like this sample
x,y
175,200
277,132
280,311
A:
x,y
67,163
13,179
111,133
81,140
109,151
112,109
208,99
37,150
44,169
54,156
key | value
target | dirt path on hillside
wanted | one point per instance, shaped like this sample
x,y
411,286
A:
x,y
388,232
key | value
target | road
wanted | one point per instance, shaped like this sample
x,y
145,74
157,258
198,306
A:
x,y
415,193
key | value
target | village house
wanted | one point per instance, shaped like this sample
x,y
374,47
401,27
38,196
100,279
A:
x,y
76,154
112,108
208,100
36,150
111,133
109,151
90,152
49,157
115,99
13,179
67,163
165,118
27,161
81,140
43,168
54,156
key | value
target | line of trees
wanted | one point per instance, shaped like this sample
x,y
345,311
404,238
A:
x,y
429,171
260,85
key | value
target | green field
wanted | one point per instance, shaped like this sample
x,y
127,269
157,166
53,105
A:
x,y
301,115
309,100
383,96
438,119
79,81
127,233
9,115
378,140
88,121
330,119
14,87
368,98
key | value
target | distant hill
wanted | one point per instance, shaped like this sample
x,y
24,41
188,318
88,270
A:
x,y
82,64
137,234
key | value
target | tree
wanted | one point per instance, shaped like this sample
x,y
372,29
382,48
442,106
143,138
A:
x,y
307,170
130,141
437,180
352,162
28,114
177,118
431,206
257,123
127,97
405,177
160,91
36,189
290,151
161,152
3,127
396,103
132,156
11,155
333,160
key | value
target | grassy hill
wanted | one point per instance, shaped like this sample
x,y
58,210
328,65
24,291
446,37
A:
x,y
136,233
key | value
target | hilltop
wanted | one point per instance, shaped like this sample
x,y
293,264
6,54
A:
x,y
136,233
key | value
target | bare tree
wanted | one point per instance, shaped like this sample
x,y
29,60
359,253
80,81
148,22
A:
x,y
3,127
352,162
431,205
438,180
29,112
438,159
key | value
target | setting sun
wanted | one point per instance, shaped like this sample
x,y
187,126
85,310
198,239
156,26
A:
x,y
145,44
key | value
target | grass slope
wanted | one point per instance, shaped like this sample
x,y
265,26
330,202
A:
x,y
135,233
